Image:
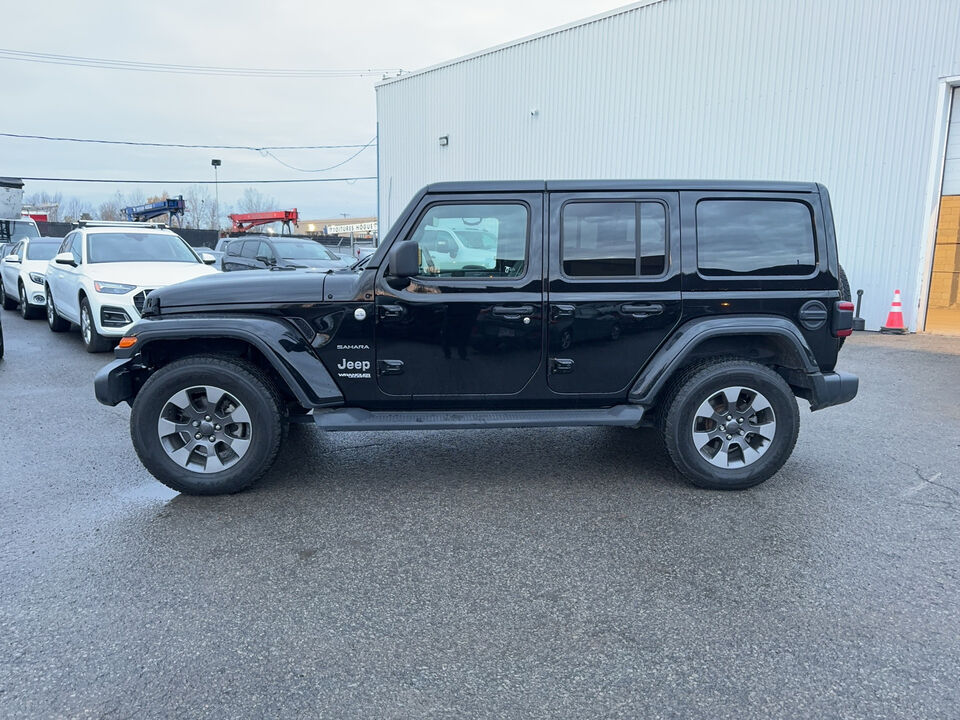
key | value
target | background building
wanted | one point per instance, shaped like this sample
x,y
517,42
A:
x,y
857,95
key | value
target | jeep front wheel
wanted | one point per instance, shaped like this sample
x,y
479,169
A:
x,y
731,424
207,425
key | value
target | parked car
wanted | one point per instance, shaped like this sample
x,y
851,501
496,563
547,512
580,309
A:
x,y
22,275
728,298
103,272
263,252
15,229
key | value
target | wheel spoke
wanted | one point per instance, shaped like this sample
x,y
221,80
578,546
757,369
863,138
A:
x,y
214,395
181,400
213,464
731,395
701,439
239,416
182,456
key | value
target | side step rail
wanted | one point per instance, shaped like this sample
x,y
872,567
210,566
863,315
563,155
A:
x,y
345,419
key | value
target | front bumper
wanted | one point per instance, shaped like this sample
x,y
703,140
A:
x,y
825,389
114,382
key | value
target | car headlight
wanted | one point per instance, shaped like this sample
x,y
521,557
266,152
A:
x,y
112,288
37,278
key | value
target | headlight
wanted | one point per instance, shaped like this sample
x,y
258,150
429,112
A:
x,y
37,278
112,288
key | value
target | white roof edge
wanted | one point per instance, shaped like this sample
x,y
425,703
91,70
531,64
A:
x,y
520,41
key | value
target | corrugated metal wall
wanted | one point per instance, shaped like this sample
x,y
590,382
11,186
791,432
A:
x,y
844,93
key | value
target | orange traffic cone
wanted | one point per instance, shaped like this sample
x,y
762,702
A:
x,y
894,322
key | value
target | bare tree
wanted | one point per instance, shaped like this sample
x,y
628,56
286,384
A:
x,y
111,209
75,209
253,200
199,208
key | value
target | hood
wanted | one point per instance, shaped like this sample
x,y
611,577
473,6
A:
x,y
247,287
315,263
147,274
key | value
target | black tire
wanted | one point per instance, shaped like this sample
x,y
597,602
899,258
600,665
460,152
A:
x,y
93,341
242,380
27,311
701,382
8,303
54,321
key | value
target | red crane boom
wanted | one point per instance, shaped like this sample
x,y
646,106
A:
x,y
242,222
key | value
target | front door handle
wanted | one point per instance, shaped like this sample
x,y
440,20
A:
x,y
391,311
512,312
643,310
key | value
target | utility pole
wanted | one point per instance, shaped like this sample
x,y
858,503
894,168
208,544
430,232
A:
x,y
216,184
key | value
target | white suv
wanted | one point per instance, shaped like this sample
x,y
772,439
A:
x,y
22,275
102,274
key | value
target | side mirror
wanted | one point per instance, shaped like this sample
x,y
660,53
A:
x,y
11,258
265,260
404,260
64,259
208,259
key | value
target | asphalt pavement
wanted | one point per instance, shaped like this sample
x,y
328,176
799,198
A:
x,y
501,573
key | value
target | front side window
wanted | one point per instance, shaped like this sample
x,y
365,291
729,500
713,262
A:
x,y
250,249
233,249
613,239
473,240
137,247
755,237
76,248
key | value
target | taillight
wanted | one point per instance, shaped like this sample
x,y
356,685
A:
x,y
843,318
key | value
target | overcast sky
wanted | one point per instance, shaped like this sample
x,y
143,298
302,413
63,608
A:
x,y
58,100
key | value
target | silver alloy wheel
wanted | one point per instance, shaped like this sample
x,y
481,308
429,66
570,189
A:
x,y
51,313
734,427
24,308
204,429
86,325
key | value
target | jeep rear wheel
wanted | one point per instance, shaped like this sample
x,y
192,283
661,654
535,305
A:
x,y
730,424
207,425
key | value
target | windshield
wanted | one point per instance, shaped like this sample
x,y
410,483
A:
x,y
137,247
17,230
42,250
303,250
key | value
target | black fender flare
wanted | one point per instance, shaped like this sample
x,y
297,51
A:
x,y
674,353
278,340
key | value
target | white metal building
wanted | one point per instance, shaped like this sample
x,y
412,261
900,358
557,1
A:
x,y
857,95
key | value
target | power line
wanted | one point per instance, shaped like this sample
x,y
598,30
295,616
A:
x,y
342,162
134,143
198,182
134,65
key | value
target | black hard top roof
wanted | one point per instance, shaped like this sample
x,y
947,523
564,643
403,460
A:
x,y
638,185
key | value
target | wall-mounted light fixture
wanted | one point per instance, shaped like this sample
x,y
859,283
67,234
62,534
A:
x,y
444,140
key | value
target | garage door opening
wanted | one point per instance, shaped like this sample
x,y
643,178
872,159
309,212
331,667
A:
x,y
943,304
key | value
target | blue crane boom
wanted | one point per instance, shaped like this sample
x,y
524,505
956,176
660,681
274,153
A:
x,y
171,206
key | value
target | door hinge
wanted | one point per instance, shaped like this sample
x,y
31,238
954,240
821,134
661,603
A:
x,y
560,366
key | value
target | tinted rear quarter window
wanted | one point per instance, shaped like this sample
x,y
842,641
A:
x,y
755,237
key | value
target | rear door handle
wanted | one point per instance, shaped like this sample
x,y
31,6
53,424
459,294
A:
x,y
512,312
643,310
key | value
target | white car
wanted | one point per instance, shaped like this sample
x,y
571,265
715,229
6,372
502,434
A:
x,y
456,248
22,275
103,272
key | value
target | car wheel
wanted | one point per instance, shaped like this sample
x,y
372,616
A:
x,y
207,425
8,302
730,424
93,341
27,311
54,321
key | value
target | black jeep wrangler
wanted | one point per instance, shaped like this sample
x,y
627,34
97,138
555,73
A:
x,y
701,308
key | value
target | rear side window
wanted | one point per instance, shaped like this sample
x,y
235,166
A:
x,y
755,237
613,239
